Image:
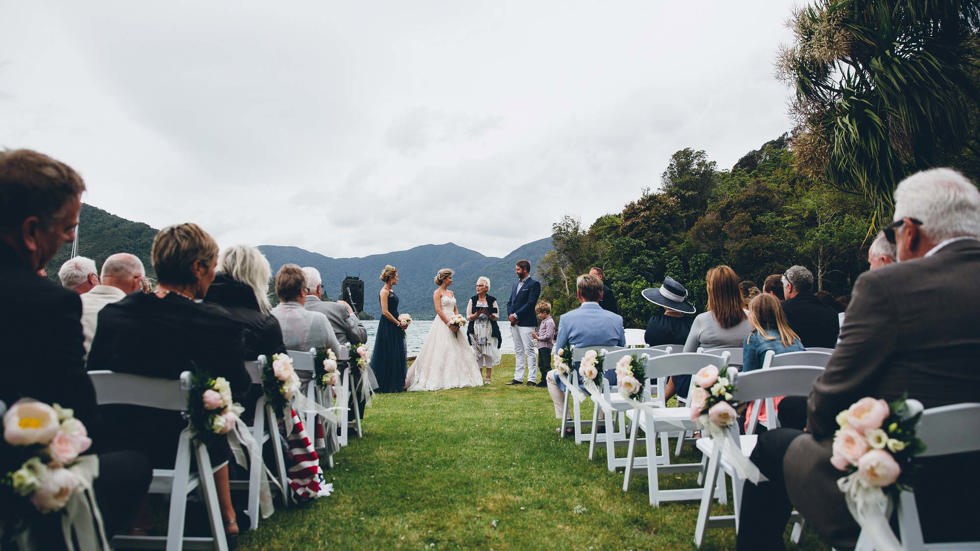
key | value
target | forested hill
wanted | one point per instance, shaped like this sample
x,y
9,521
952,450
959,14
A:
x,y
102,234
416,269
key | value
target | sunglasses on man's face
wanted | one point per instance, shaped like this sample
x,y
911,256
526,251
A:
x,y
889,231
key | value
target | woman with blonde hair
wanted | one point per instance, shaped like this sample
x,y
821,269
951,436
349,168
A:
x,y
389,358
446,359
723,324
770,331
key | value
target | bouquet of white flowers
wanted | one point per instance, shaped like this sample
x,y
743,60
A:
x,y
405,318
327,376
457,320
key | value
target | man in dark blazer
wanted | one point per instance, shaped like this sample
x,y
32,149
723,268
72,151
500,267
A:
x,y
608,301
816,323
911,327
520,309
40,200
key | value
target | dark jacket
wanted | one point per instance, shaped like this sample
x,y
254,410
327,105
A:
x,y
262,334
911,327
816,323
609,301
522,302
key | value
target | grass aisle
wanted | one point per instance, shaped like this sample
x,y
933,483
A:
x,y
476,468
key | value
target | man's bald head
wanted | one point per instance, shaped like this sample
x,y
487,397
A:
x,y
123,271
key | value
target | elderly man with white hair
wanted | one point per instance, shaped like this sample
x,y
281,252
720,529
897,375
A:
x,y
79,274
122,274
881,252
911,329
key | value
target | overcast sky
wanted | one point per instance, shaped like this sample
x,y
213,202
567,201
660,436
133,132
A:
x,y
354,128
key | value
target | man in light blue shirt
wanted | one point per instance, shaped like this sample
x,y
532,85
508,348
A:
x,y
587,325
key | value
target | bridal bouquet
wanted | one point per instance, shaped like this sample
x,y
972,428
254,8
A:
x,y
591,367
326,375
210,407
562,360
875,446
405,318
457,320
630,376
280,381
42,443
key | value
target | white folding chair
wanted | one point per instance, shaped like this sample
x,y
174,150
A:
x,y
303,362
576,395
264,429
169,395
634,337
734,354
945,430
344,390
820,349
755,385
771,359
653,422
614,407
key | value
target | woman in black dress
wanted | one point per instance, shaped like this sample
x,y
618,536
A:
x,y
389,358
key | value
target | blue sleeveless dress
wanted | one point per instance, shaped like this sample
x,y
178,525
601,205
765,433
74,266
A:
x,y
388,359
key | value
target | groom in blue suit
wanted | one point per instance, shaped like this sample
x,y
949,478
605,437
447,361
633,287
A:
x,y
523,297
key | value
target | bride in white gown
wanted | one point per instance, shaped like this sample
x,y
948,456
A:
x,y
446,359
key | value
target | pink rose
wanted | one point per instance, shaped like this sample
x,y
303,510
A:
x,y
211,399
706,376
65,448
628,385
282,368
329,365
362,351
849,446
55,491
878,468
867,414
699,398
722,414
28,422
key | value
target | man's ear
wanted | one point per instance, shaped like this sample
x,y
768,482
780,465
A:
x,y
29,229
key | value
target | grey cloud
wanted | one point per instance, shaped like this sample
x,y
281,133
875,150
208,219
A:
x,y
421,127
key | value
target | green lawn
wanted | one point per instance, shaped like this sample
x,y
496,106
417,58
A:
x,y
478,468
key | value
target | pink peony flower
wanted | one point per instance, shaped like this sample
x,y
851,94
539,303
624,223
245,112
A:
x,y
706,376
849,445
55,491
65,448
878,468
867,414
722,414
211,399
28,422
699,398
628,385
230,420
588,372
362,351
282,368
329,365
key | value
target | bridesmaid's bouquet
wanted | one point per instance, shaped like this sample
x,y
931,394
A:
x,y
405,318
457,320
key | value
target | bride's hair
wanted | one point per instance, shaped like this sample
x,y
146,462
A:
x,y
442,274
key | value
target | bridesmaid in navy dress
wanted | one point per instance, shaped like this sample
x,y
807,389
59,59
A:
x,y
388,360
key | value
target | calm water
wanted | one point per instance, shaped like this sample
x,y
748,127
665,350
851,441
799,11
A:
x,y
418,329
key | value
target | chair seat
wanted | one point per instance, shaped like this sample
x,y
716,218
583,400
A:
x,y
746,442
675,417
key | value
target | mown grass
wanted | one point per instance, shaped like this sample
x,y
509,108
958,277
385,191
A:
x,y
479,468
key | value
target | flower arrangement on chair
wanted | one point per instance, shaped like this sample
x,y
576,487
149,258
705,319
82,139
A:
x,y
630,376
280,382
562,360
363,361
326,371
875,446
212,412
590,369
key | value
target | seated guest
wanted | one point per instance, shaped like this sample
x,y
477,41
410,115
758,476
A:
x,y
587,325
301,331
672,325
881,252
774,286
346,327
723,325
240,286
911,328
608,301
79,274
749,290
122,274
770,331
169,331
40,200
816,323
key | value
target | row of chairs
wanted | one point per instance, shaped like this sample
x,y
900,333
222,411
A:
x,y
192,456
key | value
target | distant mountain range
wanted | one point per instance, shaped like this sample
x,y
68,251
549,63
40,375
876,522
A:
x,y
102,234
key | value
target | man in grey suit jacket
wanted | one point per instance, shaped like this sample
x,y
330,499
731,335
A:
x,y
346,325
911,327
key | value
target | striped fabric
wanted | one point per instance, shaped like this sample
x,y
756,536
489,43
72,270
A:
x,y
304,473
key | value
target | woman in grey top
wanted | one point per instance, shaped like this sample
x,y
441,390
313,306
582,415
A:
x,y
724,324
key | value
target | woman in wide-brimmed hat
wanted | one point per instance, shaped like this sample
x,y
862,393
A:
x,y
672,325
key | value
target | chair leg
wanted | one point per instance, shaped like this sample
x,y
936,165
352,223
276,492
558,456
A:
x,y
256,467
595,428
564,415
631,453
653,475
206,483
711,478
178,493
280,460
610,443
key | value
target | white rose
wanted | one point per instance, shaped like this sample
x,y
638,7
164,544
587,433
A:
x,y
895,446
28,422
55,490
590,355
588,372
28,477
877,438
329,365
842,418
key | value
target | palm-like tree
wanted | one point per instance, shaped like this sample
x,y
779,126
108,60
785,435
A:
x,y
883,88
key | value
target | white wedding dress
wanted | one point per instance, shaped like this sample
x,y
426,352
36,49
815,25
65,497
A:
x,y
446,359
